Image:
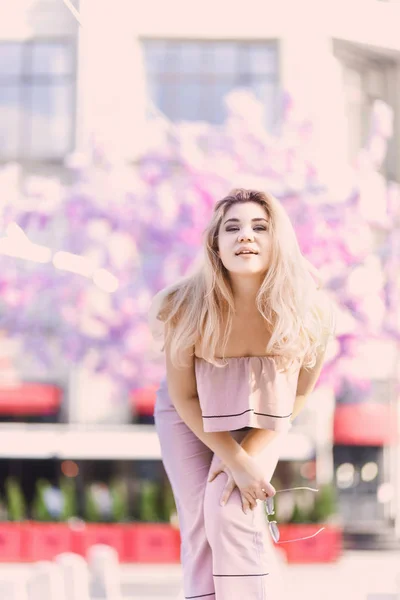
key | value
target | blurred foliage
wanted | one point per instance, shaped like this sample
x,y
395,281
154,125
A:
x,y
68,490
325,505
15,500
319,508
168,504
101,502
299,515
120,500
40,511
148,502
92,512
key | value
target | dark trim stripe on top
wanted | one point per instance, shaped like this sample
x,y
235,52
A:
x,y
251,575
202,596
245,411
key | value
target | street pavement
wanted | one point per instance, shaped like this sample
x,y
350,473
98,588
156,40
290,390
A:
x,y
362,575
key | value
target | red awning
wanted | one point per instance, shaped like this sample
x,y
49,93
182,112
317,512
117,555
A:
x,y
30,399
143,400
365,424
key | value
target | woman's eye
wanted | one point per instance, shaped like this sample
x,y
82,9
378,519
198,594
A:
x,y
256,228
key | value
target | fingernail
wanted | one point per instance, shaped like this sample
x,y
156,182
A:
x,y
222,502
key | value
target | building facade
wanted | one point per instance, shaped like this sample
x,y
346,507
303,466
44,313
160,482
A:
x,y
61,80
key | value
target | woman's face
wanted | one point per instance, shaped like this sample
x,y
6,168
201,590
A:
x,y
245,227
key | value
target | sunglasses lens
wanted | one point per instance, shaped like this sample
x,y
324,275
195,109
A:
x,y
274,531
270,505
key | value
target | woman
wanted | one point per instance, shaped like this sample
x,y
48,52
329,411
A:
x,y
244,337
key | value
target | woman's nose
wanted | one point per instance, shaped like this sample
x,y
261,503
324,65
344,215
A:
x,y
246,236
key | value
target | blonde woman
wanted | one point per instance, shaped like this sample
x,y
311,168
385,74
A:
x,y
244,343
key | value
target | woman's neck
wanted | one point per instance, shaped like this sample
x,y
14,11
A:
x,y
245,294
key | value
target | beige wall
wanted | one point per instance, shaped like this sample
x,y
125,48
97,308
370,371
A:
x,y
112,100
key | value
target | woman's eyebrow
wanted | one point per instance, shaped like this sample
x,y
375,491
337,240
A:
x,y
234,220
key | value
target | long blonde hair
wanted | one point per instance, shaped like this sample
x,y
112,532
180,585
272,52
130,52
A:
x,y
199,308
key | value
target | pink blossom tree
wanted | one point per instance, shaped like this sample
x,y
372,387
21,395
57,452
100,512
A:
x,y
80,262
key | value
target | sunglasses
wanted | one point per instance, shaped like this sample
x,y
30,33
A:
x,y
273,525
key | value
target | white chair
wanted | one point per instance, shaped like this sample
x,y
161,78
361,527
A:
x,y
105,572
11,589
45,582
75,575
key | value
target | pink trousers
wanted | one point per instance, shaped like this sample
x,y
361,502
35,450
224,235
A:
x,y
225,554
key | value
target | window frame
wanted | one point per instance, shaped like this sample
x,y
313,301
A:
x,y
26,77
275,78
359,57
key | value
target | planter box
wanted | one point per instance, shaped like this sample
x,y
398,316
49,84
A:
x,y
135,542
99,533
146,542
11,542
152,543
324,548
43,541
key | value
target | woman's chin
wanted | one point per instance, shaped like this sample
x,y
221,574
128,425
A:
x,y
247,270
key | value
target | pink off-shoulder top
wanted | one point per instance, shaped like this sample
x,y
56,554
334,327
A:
x,y
250,391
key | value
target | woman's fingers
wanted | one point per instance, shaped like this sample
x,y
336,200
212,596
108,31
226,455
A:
x,y
228,489
212,475
248,502
245,505
259,494
267,490
262,492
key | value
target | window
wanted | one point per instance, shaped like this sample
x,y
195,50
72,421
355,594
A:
x,y
358,490
366,78
37,99
187,80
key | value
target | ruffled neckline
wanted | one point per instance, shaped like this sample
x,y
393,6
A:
x,y
269,356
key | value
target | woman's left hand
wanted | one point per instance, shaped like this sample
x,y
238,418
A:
x,y
230,485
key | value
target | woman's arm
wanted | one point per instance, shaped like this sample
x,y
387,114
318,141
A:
x,y
246,472
306,383
182,389
256,440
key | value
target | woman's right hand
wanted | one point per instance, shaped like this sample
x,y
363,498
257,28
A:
x,y
251,481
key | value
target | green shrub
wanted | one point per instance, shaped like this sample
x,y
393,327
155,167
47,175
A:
x,y
298,515
91,510
322,508
168,503
3,510
40,511
68,491
120,501
325,505
148,502
16,506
